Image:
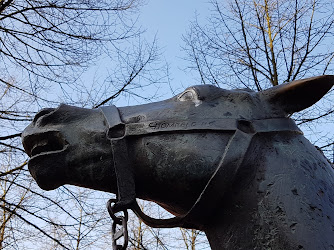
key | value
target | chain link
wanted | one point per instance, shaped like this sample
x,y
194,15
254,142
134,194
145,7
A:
x,y
122,221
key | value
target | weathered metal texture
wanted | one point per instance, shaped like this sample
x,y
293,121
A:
x,y
280,198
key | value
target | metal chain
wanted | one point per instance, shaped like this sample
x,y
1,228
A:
x,y
122,221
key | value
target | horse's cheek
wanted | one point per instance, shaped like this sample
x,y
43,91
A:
x,y
183,163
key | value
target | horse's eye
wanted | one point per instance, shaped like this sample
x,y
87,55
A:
x,y
188,95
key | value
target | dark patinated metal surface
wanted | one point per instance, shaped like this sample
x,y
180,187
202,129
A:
x,y
281,196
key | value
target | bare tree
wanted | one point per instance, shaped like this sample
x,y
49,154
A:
x,y
87,53
190,238
145,237
262,43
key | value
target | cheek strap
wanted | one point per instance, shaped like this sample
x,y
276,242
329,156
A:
x,y
126,194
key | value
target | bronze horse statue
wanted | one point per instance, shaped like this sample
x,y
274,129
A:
x,y
228,162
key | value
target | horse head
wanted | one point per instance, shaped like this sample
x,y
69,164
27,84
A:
x,y
175,148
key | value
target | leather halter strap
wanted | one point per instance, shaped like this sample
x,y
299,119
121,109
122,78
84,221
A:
x,y
126,194
221,179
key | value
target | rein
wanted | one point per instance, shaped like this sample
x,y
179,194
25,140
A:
x,y
221,179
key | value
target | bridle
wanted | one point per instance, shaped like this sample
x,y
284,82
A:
x,y
118,132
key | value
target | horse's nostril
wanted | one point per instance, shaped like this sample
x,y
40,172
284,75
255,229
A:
x,y
42,113
49,145
47,141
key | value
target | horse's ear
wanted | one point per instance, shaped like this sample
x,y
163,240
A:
x,y
298,95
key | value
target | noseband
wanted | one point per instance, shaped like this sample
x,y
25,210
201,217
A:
x,y
221,179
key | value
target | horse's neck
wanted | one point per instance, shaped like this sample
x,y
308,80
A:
x,y
282,199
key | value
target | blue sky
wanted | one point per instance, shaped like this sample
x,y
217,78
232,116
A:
x,y
169,20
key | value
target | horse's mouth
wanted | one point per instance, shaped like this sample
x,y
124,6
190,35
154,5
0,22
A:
x,y
45,143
